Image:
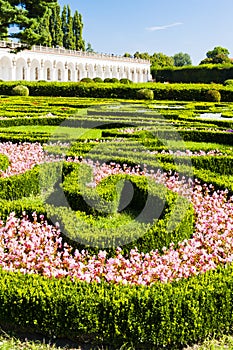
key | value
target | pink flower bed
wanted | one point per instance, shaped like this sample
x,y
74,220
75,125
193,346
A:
x,y
190,153
23,156
36,247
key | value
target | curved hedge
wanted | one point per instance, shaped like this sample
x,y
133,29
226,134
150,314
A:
x,y
4,162
170,217
163,316
166,315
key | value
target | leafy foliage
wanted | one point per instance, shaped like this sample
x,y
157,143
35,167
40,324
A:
x,y
219,55
145,94
40,22
213,96
20,90
182,59
25,15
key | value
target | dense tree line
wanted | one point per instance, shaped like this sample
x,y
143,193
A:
x,y
41,22
160,60
219,55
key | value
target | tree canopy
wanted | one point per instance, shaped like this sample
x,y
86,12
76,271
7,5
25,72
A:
x,y
219,55
40,22
182,59
25,17
158,60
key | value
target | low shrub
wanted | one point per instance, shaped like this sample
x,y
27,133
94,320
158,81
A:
x,y
20,90
107,80
168,316
123,90
152,209
213,96
111,80
97,80
29,183
86,80
125,81
114,80
145,94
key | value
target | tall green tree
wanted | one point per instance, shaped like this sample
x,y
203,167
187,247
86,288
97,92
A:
x,y
126,54
143,55
160,60
55,26
64,24
89,48
182,59
70,34
58,27
219,55
78,30
44,28
25,16
218,50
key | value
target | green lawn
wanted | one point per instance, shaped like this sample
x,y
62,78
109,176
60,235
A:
x,y
80,133
12,343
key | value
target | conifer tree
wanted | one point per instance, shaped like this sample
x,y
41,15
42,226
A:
x,y
64,25
26,16
70,38
52,25
78,29
59,32
55,26
44,28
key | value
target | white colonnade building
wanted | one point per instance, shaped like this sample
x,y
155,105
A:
x,y
59,64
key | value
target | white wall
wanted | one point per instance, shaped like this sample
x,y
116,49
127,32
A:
x,y
58,64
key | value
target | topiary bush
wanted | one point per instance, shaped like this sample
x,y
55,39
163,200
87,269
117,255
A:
x,y
20,90
213,96
98,80
86,80
114,80
107,80
145,94
125,81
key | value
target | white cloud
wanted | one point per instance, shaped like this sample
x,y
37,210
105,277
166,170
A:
x,y
164,27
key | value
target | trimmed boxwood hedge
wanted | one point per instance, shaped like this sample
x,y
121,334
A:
x,y
194,74
167,315
182,92
4,162
170,216
32,182
161,316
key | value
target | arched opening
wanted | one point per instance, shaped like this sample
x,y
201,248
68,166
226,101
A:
x,y
59,74
23,73
36,73
69,75
48,74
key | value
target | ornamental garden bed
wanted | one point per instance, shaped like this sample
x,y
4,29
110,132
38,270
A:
x,y
116,221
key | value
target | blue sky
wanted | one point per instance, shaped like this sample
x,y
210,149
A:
x,y
168,26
